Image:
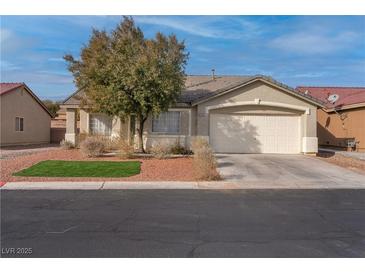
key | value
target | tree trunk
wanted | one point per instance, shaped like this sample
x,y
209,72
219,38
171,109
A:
x,y
140,135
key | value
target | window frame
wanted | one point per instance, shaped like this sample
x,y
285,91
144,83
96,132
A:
x,y
156,131
19,126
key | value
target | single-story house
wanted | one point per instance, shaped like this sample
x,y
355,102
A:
x,y
341,122
24,118
236,114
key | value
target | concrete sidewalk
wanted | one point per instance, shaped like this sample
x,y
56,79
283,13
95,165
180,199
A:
x,y
222,185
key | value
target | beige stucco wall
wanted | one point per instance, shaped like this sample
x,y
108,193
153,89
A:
x,y
194,121
37,121
84,121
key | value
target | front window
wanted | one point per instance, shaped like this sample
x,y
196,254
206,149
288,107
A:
x,y
167,122
19,124
100,124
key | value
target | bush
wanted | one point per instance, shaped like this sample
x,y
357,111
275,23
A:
x,y
204,162
178,149
198,143
112,143
92,146
160,151
126,149
66,144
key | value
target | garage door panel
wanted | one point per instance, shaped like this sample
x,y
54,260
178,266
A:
x,y
254,133
235,130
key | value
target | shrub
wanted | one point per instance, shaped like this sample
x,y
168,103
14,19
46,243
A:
x,y
66,144
204,162
126,150
110,144
92,146
177,148
199,143
160,151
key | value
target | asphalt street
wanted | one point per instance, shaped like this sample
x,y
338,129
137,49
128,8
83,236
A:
x,y
183,223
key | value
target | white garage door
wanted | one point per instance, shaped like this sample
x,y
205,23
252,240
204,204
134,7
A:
x,y
255,133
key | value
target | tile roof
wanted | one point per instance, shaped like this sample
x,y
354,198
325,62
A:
x,y
6,87
200,87
347,95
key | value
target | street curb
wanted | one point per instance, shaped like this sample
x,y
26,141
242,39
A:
x,y
167,185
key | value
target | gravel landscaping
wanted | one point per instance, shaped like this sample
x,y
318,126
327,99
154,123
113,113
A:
x,y
343,161
176,169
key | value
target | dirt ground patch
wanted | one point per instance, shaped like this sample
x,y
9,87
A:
x,y
340,160
176,169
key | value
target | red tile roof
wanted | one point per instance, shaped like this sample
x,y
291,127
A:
x,y
347,95
6,87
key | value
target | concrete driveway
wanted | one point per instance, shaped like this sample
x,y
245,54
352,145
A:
x,y
286,171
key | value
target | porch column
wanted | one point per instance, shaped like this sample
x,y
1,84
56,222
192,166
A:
x,y
71,126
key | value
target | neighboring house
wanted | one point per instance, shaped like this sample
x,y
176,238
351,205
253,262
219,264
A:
x,y
236,114
341,123
24,118
58,126
59,120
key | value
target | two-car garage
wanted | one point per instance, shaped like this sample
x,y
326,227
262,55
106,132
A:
x,y
254,115
242,133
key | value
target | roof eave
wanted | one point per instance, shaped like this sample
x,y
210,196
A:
x,y
38,100
346,107
69,97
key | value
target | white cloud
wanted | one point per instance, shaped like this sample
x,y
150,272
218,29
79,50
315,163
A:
x,y
90,21
5,34
310,75
53,72
7,66
205,26
188,26
314,43
10,42
203,49
44,77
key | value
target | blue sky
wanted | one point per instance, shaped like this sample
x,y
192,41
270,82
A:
x,y
297,50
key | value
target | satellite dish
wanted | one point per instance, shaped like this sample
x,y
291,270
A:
x,y
333,98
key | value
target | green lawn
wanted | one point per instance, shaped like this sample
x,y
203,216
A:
x,y
52,168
